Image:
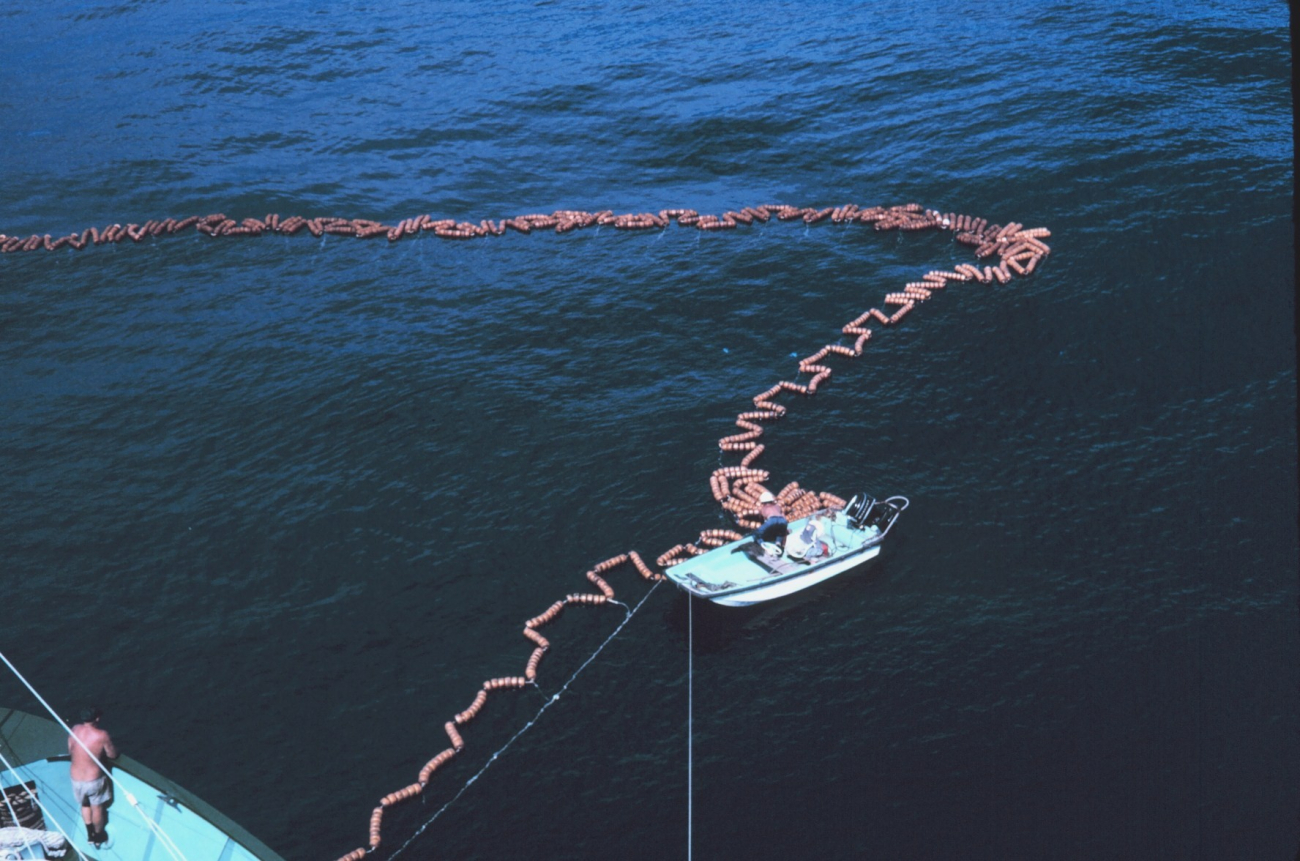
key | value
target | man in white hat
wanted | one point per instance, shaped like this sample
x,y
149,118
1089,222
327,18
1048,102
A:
x,y
775,527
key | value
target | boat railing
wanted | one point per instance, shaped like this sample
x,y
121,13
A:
x,y
896,509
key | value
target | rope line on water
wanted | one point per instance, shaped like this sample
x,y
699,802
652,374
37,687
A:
x,y
561,220
167,843
605,596
690,721
554,698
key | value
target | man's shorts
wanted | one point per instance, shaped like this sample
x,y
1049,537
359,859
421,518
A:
x,y
93,792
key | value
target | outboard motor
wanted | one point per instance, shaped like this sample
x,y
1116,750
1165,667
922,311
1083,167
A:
x,y
858,509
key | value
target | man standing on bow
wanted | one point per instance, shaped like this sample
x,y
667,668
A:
x,y
91,785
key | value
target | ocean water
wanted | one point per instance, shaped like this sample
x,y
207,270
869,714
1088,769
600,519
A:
x,y
280,504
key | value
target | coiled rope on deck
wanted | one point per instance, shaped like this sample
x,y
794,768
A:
x,y
690,724
45,811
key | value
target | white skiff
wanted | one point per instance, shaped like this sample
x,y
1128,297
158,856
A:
x,y
748,571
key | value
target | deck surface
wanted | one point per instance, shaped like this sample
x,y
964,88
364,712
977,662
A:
x,y
736,565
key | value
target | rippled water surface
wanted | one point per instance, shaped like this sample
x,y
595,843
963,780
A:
x,y
281,504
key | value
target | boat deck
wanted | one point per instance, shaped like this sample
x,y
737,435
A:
x,y
743,567
199,832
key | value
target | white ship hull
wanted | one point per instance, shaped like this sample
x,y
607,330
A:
x,y
746,572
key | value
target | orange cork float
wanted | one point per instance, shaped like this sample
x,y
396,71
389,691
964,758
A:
x,y
452,734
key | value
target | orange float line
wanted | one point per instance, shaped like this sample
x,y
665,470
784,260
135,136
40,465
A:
x,y
642,568
1032,242
585,598
600,584
817,356
748,493
474,708
813,369
830,500
737,439
506,681
856,322
741,472
775,410
456,741
1012,228
530,672
740,501
551,612
612,562
434,764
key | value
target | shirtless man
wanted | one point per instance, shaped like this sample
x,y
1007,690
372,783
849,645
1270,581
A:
x,y
91,786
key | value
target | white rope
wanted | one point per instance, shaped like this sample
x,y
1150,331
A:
x,y
12,840
554,698
13,814
50,817
171,847
690,711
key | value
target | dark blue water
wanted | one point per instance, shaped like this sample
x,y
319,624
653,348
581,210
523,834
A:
x,y
281,504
